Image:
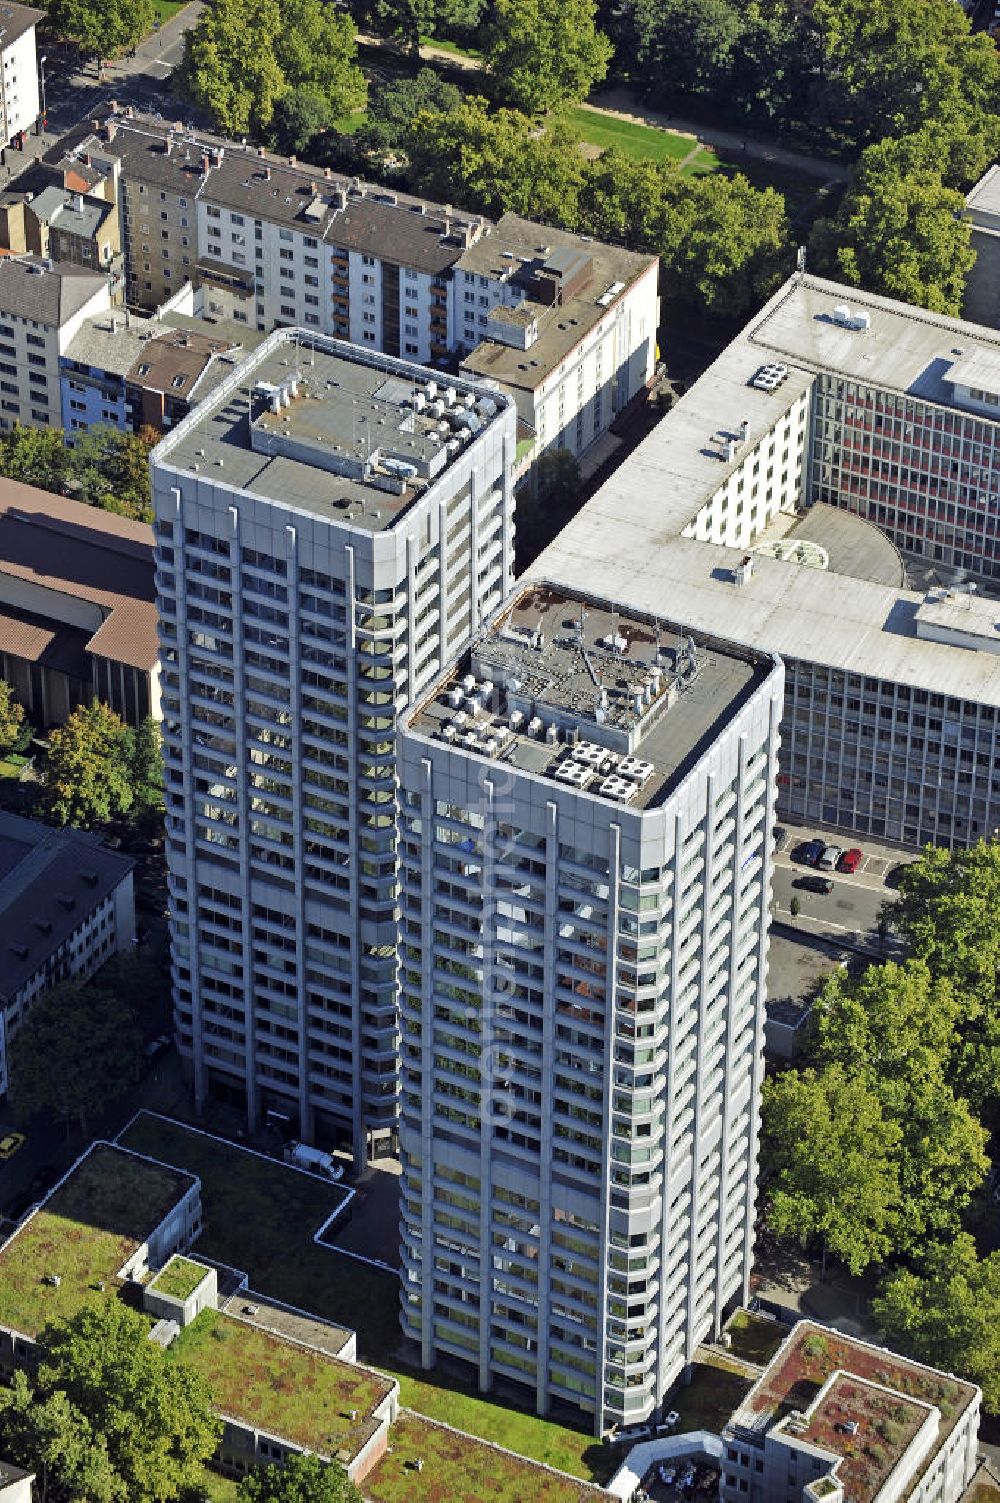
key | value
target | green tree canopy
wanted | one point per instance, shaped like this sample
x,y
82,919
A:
x,y
901,235
723,245
833,1158
687,46
47,1435
301,1479
541,54
89,777
230,65
495,162
78,1048
36,456
947,912
110,469
146,765
12,720
103,28
947,1313
317,48
153,1412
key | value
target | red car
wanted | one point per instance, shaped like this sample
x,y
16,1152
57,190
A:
x,y
851,860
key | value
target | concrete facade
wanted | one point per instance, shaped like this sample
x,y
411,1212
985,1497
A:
x,y
582,1003
18,70
301,609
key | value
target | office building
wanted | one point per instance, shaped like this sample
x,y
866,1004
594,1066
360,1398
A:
x,y
833,1418
586,799
18,70
42,305
77,607
567,323
322,547
823,492
66,907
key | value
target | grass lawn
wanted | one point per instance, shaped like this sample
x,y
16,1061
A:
x,y
84,1235
455,1472
165,10
754,1338
282,1388
216,1488
645,143
179,1277
348,125
452,47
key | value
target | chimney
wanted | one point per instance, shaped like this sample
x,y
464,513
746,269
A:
x,y
260,151
267,173
168,145
78,203
293,161
314,188
328,173
204,164
112,130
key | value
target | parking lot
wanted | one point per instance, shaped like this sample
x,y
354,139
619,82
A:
x,y
849,913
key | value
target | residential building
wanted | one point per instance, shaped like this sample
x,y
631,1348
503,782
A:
x,y
813,495
93,370
322,546
835,1418
72,227
66,906
172,373
77,607
587,798
567,323
15,1483
981,301
18,70
42,305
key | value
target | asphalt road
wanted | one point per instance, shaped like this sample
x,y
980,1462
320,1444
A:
x,y
849,914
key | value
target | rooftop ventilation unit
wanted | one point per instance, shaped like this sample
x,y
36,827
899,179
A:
x,y
535,726
845,319
618,788
573,773
635,769
768,377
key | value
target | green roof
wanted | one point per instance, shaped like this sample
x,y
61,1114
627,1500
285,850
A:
x,y
285,1389
179,1277
84,1233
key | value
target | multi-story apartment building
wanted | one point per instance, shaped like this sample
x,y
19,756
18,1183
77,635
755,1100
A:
x,y
567,323
587,798
836,452
322,547
66,907
18,69
981,300
42,305
834,1418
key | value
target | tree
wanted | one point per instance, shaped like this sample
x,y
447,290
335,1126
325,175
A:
x,y
88,777
833,1161
301,1479
896,1027
12,721
36,456
397,104
317,50
153,1412
146,765
49,1436
103,28
304,115
623,200
410,20
230,65
542,54
900,235
724,245
946,911
78,1048
495,162
947,1313
686,46
795,906
110,469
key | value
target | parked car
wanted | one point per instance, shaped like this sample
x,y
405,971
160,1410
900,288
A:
x,y
821,885
810,852
11,1143
851,860
831,855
